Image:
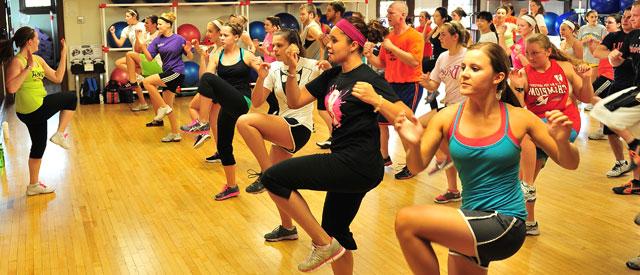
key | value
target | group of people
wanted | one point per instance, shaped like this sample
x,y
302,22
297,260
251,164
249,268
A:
x,y
509,104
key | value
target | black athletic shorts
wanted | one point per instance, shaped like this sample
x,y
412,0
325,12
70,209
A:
x,y
496,236
300,134
171,81
601,86
410,93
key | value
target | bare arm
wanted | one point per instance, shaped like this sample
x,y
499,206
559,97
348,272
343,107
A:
x,y
578,50
260,93
15,75
580,80
119,40
599,52
553,137
421,144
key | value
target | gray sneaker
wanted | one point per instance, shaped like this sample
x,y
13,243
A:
x,y
140,107
280,233
529,191
256,187
322,255
171,137
620,168
532,229
162,112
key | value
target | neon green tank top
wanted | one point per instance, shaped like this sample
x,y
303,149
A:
x,y
31,94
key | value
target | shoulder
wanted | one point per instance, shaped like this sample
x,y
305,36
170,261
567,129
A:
x,y
520,114
565,65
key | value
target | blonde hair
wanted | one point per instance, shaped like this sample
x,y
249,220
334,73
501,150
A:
x,y
454,28
544,42
168,15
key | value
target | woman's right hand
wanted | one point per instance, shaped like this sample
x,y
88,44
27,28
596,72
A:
x,y
502,29
291,56
196,45
112,30
368,49
264,70
30,60
517,79
409,128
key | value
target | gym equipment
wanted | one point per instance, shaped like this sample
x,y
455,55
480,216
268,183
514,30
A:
x,y
119,75
119,27
605,6
191,74
189,32
550,19
256,30
288,21
624,4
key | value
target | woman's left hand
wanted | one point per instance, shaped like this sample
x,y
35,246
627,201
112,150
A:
x,y
187,46
63,45
364,91
559,125
583,70
323,65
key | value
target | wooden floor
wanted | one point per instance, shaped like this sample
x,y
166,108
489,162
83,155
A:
x,y
127,203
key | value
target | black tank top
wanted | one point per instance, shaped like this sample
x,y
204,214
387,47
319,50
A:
x,y
437,47
238,75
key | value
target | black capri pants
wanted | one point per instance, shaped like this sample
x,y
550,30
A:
x,y
233,104
325,172
36,121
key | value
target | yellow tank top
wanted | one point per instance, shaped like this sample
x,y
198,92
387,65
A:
x,y
31,94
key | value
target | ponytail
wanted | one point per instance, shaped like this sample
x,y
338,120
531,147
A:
x,y
20,38
6,50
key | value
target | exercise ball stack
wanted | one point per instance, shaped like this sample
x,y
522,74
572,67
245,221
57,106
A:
x,y
119,75
191,74
189,32
119,26
550,19
256,30
605,6
288,21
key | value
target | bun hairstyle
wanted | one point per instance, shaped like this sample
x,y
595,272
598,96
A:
x,y
291,36
374,32
20,38
444,14
500,64
275,21
454,28
236,29
460,12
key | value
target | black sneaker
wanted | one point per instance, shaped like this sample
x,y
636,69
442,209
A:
x,y
387,161
227,192
256,187
155,123
404,174
213,159
280,233
325,144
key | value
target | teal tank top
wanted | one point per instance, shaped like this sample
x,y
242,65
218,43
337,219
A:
x,y
488,168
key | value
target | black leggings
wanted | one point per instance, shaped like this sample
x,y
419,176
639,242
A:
x,y
232,105
325,172
36,121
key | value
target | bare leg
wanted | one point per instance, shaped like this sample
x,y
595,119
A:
x,y
616,146
205,106
344,265
34,170
528,160
297,208
462,266
65,118
151,83
230,174
255,128
168,98
194,107
384,140
213,119
121,63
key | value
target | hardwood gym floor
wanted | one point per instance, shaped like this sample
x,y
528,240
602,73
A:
x,y
127,203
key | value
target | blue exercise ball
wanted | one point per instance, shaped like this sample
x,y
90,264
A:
x,y
288,21
347,14
550,19
119,26
569,16
256,30
625,3
605,6
191,74
323,20
123,1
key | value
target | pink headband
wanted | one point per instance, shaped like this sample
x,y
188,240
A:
x,y
351,32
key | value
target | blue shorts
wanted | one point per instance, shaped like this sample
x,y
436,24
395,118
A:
x,y
540,154
410,93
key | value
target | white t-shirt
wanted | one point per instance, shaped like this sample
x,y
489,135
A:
x,y
489,37
597,32
447,70
540,21
276,82
130,32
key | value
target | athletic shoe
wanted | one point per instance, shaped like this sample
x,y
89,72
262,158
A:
x,y
280,234
448,196
637,220
200,139
140,107
129,86
440,166
61,140
199,128
532,229
171,137
227,192
431,96
162,112
39,188
155,123
325,144
588,107
628,188
634,263
213,159
387,161
529,191
256,187
597,135
620,168
186,127
322,255
404,174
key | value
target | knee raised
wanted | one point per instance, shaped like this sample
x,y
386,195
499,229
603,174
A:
x,y
403,221
244,122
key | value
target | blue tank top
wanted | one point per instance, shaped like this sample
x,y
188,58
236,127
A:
x,y
489,168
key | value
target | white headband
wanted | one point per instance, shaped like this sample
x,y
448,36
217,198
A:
x,y
217,23
529,20
569,24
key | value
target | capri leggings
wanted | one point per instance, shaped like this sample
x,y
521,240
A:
x,y
233,104
345,189
36,121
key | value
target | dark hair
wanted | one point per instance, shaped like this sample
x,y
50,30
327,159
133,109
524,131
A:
x,y
500,64
539,4
357,14
374,31
338,6
20,38
510,10
460,12
274,20
426,14
617,17
534,26
153,18
236,29
292,37
133,13
444,14
590,12
485,15
454,28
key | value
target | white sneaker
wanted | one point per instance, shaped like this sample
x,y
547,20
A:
x,y
598,135
61,140
140,107
619,168
39,188
171,137
162,112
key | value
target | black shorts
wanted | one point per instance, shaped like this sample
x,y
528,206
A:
x,y
171,81
496,236
410,93
300,134
428,64
601,86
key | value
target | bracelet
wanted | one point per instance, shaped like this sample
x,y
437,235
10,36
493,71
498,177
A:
x,y
377,108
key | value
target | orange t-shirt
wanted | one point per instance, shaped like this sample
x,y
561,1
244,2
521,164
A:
x,y
395,71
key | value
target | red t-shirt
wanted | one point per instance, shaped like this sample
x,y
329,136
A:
x,y
605,69
428,48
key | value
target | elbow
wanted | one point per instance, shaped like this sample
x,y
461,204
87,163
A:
x,y
293,105
415,63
